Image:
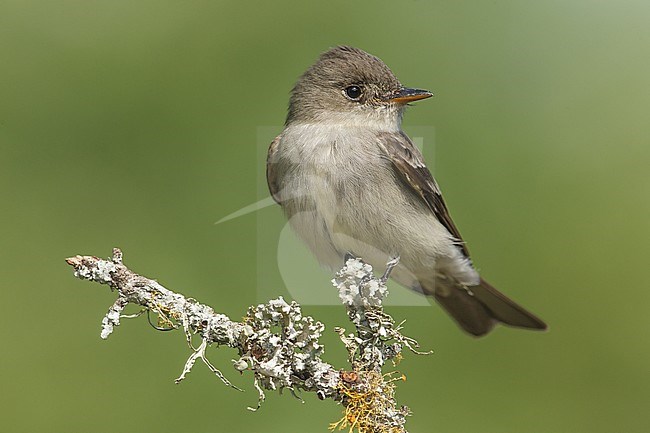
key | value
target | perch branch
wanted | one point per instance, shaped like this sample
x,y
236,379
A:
x,y
277,343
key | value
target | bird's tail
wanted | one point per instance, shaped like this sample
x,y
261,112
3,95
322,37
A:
x,y
483,306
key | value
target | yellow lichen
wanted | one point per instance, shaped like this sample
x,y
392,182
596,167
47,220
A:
x,y
367,403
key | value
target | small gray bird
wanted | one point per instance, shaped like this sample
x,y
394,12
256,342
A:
x,y
350,181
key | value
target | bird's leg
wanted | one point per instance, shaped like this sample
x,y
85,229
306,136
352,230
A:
x,y
389,268
348,256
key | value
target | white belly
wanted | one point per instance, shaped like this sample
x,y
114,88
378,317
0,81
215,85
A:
x,y
347,199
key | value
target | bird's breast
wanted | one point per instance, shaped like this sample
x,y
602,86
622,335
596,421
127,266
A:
x,y
344,196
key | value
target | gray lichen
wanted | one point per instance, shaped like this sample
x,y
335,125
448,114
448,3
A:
x,y
276,342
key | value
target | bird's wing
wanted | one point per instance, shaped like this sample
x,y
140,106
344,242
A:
x,y
409,164
271,175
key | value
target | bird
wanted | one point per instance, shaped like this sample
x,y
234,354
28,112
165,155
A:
x,y
352,183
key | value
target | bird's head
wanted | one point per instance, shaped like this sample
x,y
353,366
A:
x,y
348,85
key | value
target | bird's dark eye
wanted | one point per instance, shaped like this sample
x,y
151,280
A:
x,y
353,92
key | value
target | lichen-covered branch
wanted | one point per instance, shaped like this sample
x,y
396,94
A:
x,y
276,342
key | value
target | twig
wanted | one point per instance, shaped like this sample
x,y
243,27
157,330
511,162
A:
x,y
277,343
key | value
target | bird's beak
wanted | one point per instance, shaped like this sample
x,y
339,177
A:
x,y
405,95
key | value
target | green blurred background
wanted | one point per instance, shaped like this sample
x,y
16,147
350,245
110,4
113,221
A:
x,y
137,124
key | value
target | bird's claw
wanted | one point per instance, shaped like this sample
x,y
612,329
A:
x,y
389,268
348,256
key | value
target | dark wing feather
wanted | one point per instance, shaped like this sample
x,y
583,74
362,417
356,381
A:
x,y
409,164
271,175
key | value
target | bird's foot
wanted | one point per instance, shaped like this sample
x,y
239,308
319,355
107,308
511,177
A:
x,y
389,268
349,256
